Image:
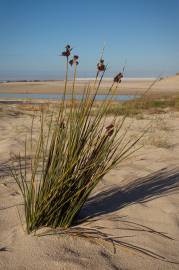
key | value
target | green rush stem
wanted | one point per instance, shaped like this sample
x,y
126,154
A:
x,y
74,80
66,77
101,79
65,90
97,74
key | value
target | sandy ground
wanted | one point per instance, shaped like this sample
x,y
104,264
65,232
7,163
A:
x,y
165,86
132,201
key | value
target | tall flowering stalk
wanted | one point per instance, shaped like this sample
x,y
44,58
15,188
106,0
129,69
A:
x,y
66,54
100,66
74,62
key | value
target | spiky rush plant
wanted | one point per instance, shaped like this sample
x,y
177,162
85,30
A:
x,y
71,156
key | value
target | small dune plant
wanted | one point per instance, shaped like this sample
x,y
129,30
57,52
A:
x,y
72,154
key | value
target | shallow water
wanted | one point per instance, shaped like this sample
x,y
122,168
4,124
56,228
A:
x,y
60,96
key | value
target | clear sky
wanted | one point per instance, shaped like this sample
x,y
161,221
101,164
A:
x,y
143,33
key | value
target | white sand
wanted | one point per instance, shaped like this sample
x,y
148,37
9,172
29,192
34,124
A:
x,y
166,86
122,196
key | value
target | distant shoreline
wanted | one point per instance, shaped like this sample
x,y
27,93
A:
x,y
82,79
128,86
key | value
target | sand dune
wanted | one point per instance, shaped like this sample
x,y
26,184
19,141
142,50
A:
x,y
143,191
169,82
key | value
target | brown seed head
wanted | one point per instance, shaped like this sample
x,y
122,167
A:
x,y
110,129
111,126
110,132
71,62
101,66
67,52
74,60
118,77
75,57
62,125
67,47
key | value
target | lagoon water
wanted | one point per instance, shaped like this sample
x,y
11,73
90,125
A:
x,y
60,96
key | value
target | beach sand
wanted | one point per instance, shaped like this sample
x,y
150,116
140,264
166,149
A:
x,y
166,86
131,204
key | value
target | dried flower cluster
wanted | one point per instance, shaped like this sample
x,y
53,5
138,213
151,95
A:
x,y
67,52
74,61
118,77
101,66
110,129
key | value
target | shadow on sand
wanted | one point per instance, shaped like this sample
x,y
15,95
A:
x,y
155,185
6,165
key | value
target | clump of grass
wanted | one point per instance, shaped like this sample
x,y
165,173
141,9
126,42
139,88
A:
x,y
155,104
74,151
144,104
124,108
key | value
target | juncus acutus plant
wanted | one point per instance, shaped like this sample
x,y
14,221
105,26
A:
x,y
71,156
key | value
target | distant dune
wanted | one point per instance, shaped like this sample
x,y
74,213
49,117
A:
x,y
171,79
169,84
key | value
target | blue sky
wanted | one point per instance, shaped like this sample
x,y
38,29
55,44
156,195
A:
x,y
143,33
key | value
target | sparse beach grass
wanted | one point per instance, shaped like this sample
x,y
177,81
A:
x,y
148,104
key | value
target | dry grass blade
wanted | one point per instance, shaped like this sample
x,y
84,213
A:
x,y
96,235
